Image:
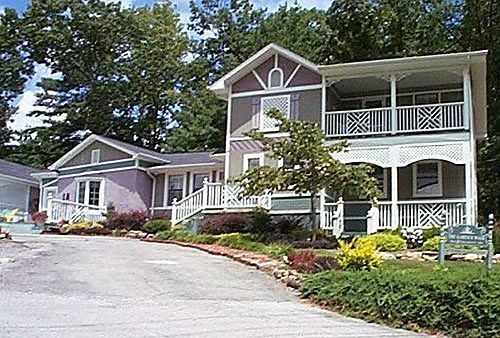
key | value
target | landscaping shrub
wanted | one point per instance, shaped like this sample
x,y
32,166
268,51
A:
x,y
241,241
324,263
289,226
259,222
413,237
357,256
155,225
84,228
318,244
133,220
429,233
461,302
183,236
278,250
224,224
432,244
384,242
303,261
496,239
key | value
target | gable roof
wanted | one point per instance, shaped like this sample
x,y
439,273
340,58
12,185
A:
x,y
221,86
190,158
18,171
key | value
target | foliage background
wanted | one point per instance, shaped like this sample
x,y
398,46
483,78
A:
x,y
138,75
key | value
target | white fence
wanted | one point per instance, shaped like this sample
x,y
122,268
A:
x,y
61,210
216,196
333,217
441,116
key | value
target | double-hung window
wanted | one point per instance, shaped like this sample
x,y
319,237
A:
x,y
198,180
427,179
175,188
281,103
89,191
251,161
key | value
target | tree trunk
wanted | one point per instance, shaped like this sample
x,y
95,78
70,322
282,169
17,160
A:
x,y
312,216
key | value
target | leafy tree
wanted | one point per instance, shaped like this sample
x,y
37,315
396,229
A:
x,y
14,71
309,167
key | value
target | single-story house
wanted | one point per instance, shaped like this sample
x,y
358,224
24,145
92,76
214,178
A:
x,y
18,188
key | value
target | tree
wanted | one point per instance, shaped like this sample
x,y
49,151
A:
x,y
14,71
309,167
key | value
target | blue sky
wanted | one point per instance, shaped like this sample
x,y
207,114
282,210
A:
x,y
26,102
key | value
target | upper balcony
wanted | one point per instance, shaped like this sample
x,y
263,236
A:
x,y
375,105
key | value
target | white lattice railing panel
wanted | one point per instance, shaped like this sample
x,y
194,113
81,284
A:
x,y
431,117
426,214
454,152
281,103
358,122
72,212
380,156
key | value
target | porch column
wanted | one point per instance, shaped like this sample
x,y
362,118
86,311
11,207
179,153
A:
x,y
322,209
466,112
323,102
394,112
394,197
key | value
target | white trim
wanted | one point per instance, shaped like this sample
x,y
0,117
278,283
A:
x,y
259,79
86,198
246,157
439,193
228,134
412,94
268,134
275,69
128,159
95,156
178,166
19,180
278,90
103,171
292,76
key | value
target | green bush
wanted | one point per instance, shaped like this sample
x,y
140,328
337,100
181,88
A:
x,y
429,233
84,228
496,239
384,241
461,302
357,256
155,225
259,222
187,237
432,244
241,241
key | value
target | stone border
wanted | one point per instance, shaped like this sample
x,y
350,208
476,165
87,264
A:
x,y
275,268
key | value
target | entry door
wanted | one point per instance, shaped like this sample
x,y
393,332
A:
x,y
48,193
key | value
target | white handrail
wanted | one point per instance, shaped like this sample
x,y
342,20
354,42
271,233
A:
x,y
333,217
69,211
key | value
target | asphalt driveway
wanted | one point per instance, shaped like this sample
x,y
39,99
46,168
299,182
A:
x,y
105,287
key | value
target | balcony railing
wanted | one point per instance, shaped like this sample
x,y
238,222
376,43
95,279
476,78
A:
x,y
421,118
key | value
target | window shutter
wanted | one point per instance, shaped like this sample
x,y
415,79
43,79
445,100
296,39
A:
x,y
294,106
255,112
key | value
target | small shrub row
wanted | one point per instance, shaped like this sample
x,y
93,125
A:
x,y
156,225
133,220
84,228
384,241
458,303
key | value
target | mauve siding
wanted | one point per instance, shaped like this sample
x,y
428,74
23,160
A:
x,y
159,190
264,68
305,77
247,83
107,154
127,190
309,106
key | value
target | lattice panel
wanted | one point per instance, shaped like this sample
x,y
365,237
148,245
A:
x,y
454,152
429,118
378,156
430,214
359,123
282,103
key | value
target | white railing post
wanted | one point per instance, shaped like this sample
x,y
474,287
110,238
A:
x,y
394,112
204,202
373,219
174,211
50,211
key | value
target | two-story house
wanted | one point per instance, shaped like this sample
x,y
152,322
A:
x,y
416,120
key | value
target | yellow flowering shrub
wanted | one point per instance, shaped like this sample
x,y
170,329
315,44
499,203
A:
x,y
357,255
82,228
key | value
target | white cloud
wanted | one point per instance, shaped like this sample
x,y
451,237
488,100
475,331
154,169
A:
x,y
2,9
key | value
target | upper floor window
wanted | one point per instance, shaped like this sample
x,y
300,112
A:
x,y
427,179
95,157
275,78
251,161
281,103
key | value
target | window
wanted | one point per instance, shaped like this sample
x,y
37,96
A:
x,y
452,97
281,103
427,179
275,78
380,174
89,191
426,98
404,100
95,156
175,188
221,176
251,161
198,181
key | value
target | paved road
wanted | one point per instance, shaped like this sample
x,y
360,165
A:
x,y
105,287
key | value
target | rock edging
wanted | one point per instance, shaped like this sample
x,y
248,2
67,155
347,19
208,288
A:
x,y
5,234
275,268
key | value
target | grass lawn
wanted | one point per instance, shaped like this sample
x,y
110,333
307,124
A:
x,y
459,299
